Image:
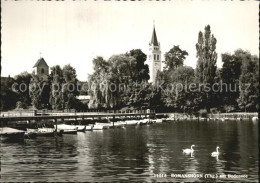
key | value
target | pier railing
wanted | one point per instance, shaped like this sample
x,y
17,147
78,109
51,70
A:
x,y
234,115
75,116
20,113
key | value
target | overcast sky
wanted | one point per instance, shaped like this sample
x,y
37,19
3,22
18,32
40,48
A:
x,y
76,32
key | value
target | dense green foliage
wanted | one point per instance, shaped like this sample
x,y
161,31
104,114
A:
x,y
233,87
63,88
122,82
7,95
21,88
57,91
40,92
205,72
174,58
249,95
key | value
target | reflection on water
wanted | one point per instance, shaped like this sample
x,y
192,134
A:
x,y
135,154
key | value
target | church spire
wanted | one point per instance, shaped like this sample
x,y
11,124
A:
x,y
154,38
154,57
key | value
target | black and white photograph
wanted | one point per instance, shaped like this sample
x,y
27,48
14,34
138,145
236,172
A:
x,y
129,91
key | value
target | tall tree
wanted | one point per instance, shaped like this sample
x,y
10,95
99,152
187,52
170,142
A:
x,y
122,70
229,75
64,87
98,81
249,82
69,91
40,92
21,86
7,95
206,64
176,95
112,80
183,74
174,58
142,70
57,80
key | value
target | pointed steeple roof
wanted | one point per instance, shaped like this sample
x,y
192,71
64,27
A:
x,y
42,61
154,38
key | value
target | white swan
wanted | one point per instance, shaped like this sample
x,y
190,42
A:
x,y
188,151
216,153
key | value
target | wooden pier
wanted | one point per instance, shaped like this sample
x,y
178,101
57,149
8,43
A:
x,y
61,117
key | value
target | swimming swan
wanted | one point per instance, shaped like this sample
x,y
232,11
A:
x,y
188,151
216,153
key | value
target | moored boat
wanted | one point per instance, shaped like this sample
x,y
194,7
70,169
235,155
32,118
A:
x,y
141,123
202,119
110,125
98,127
30,133
11,133
89,127
46,132
169,119
105,125
131,122
158,120
164,119
255,118
121,124
118,124
67,129
144,121
81,128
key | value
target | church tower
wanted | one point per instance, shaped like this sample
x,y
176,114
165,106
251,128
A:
x,y
154,57
41,68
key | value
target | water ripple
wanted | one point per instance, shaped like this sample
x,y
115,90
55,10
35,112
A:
x,y
134,154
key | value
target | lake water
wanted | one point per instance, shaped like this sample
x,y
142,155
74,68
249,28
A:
x,y
143,153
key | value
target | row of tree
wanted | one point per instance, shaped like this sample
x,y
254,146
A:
x,y
234,87
56,91
122,81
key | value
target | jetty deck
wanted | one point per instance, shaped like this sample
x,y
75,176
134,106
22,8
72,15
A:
x,y
76,116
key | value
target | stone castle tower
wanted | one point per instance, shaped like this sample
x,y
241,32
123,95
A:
x,y
154,57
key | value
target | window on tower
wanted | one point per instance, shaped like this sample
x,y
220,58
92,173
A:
x,y
157,57
154,57
42,71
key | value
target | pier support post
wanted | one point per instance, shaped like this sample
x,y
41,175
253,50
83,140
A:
x,y
56,123
113,121
82,121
